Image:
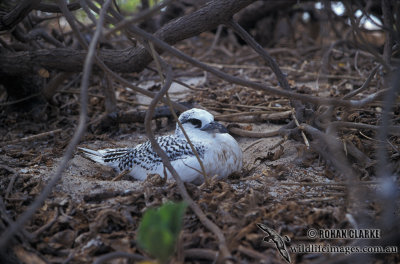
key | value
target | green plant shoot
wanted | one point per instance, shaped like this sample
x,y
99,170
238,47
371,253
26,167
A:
x,y
159,230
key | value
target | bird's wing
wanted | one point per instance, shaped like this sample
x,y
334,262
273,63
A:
x,y
144,155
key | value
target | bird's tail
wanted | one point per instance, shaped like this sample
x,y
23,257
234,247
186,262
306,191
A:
x,y
104,156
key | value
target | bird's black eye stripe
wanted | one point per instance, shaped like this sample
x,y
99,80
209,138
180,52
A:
x,y
195,122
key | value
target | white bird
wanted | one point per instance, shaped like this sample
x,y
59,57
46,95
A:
x,y
218,151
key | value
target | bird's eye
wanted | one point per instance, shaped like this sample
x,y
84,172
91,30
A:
x,y
195,122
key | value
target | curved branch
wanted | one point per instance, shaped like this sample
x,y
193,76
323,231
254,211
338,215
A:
x,y
50,8
9,20
292,95
133,59
10,232
196,209
118,254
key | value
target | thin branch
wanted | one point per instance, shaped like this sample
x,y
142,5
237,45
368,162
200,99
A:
x,y
33,137
17,14
139,17
157,60
19,100
213,44
118,254
394,130
302,132
22,219
245,133
330,148
87,11
328,112
357,34
388,23
203,170
196,209
12,181
388,192
262,52
364,86
101,64
306,98
118,78
50,8
71,21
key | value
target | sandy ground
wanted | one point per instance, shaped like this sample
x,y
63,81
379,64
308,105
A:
x,y
84,178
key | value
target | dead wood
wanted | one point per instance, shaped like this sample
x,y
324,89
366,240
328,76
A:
x,y
17,14
133,59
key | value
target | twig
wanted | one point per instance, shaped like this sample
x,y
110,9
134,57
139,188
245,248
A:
x,y
245,133
200,253
359,36
356,63
318,199
269,149
118,78
87,11
345,184
272,63
271,51
188,86
19,100
221,117
262,52
256,115
286,68
33,137
22,219
306,98
47,225
70,256
326,114
119,176
17,14
196,209
364,86
302,133
394,130
388,24
139,17
214,43
118,254
266,108
12,181
50,89
157,60
51,8
109,93
251,253
71,21
389,192
203,170
22,234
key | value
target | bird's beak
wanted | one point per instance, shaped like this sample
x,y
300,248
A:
x,y
214,127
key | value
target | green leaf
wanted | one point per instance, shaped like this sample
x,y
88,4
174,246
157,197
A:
x,y
159,230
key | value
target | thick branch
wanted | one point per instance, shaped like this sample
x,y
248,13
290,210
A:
x,y
50,8
16,15
129,60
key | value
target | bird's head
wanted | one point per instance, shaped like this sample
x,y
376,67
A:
x,y
199,121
